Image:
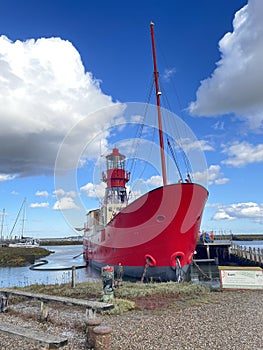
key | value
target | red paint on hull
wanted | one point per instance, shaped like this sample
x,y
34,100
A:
x,y
163,223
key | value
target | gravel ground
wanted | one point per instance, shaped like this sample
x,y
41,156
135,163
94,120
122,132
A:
x,y
230,320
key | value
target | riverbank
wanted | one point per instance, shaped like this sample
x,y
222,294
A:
x,y
17,257
186,320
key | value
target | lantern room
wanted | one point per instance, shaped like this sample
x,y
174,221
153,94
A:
x,y
116,177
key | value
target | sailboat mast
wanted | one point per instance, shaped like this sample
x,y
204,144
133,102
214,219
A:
x,y
2,223
158,102
23,218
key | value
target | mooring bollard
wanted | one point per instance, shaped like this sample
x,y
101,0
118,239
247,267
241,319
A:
x,y
107,274
102,337
91,323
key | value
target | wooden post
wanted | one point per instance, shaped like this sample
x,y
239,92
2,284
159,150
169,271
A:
x,y
73,280
91,323
250,254
44,311
208,251
102,337
3,302
90,313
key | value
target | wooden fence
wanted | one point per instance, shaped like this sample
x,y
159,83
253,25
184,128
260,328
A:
x,y
248,254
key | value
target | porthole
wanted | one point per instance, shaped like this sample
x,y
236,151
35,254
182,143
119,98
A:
x,y
160,218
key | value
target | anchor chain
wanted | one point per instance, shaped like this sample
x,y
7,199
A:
x,y
179,270
202,272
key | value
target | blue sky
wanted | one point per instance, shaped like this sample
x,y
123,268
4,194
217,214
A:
x,y
60,61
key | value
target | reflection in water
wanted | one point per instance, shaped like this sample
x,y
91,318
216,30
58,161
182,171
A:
x,y
63,257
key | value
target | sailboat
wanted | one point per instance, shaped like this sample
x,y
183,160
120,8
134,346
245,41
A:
x,y
155,235
23,242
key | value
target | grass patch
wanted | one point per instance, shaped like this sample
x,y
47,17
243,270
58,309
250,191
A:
x,y
131,295
17,257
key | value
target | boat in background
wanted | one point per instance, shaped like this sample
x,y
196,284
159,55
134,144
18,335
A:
x,y
21,241
25,243
153,237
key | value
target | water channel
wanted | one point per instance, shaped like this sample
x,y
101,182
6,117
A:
x,y
64,257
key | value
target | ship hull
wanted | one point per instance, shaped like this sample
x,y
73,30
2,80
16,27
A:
x,y
154,231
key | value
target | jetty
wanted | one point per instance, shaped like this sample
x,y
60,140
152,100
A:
x,y
216,251
228,253
246,256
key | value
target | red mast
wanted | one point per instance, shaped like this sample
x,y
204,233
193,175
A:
x,y
158,102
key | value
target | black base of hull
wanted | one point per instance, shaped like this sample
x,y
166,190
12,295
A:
x,y
152,274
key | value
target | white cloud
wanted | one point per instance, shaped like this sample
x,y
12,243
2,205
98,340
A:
x,y
39,205
59,192
41,193
168,73
155,181
93,191
219,125
212,175
242,153
65,203
222,215
247,210
71,194
44,92
6,177
236,84
190,145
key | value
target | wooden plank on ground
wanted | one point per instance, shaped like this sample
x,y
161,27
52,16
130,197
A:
x,y
90,304
48,340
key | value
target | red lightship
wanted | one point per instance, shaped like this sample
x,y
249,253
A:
x,y
155,235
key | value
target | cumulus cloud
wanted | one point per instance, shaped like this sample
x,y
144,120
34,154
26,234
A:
x,y
212,175
59,192
41,193
242,153
65,203
236,84
44,92
65,200
6,177
154,181
247,210
93,191
190,145
39,205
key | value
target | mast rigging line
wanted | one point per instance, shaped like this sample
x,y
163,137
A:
x,y
169,126
17,217
174,158
166,121
139,133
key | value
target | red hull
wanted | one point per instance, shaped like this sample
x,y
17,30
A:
x,y
161,225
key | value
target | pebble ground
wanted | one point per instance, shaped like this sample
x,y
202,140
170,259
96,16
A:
x,y
223,320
